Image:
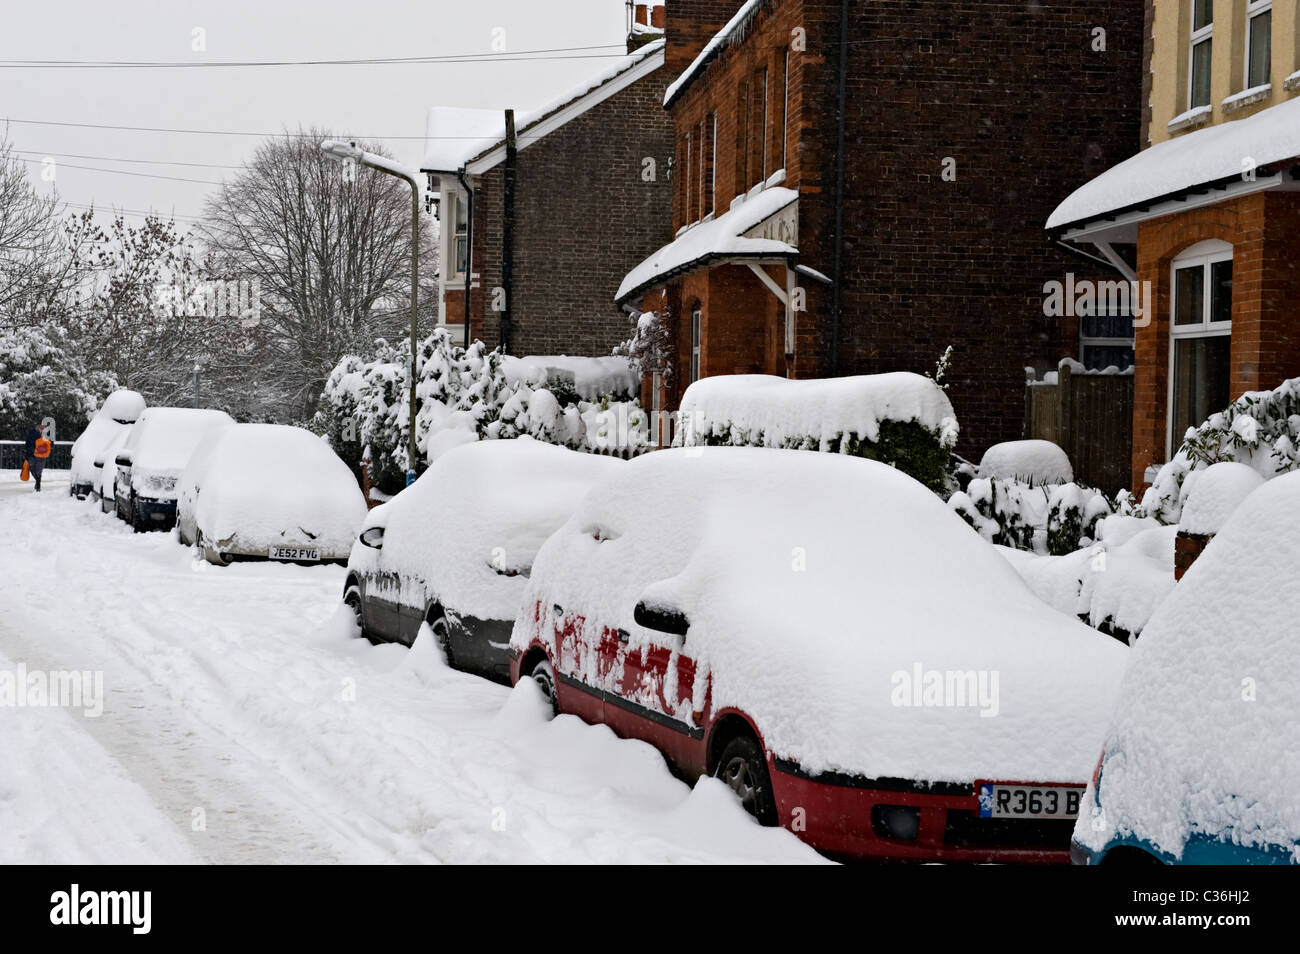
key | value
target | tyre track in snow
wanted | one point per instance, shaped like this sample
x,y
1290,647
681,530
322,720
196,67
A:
x,y
226,691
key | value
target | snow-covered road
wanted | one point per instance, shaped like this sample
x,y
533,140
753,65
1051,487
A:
x,y
244,721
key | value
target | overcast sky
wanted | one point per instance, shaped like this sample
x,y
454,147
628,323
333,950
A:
x,y
386,102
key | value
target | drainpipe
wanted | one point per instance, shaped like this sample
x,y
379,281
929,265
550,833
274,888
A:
x,y
508,232
469,245
839,192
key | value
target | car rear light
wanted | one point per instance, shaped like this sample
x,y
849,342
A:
x,y
1096,771
896,821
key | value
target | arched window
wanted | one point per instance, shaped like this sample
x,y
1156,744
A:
x,y
1200,341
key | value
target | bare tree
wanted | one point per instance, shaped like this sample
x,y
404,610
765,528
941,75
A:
x,y
329,247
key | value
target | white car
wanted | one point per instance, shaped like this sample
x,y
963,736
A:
x,y
455,549
826,636
118,412
104,480
268,491
151,460
1202,762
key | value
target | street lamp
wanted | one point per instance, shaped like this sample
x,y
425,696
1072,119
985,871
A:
x,y
351,152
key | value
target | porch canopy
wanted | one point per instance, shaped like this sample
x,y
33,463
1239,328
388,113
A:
x,y
715,242
1196,169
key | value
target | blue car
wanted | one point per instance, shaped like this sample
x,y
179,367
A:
x,y
1200,765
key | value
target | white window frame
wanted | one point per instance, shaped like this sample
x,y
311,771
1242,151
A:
x,y
456,232
785,115
1202,254
713,168
697,338
766,98
686,212
1253,9
1197,37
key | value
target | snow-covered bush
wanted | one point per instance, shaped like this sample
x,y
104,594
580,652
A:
x,y
1052,518
1033,461
1261,429
473,394
42,377
900,418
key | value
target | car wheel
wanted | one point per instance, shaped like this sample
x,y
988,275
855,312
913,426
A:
x,y
744,770
544,676
352,600
442,635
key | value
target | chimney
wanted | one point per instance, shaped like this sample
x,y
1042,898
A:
x,y
690,24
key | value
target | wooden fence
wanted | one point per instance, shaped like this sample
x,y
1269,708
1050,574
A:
x,y
1090,416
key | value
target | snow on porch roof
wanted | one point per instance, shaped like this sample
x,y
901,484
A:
x,y
723,236
1177,165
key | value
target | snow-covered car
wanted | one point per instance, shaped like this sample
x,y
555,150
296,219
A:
x,y
827,637
151,460
455,549
105,470
119,410
1200,765
268,491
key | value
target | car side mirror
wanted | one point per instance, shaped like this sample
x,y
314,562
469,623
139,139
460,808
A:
x,y
665,619
374,538
124,460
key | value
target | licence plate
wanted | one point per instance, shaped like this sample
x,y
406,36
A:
x,y
999,800
294,553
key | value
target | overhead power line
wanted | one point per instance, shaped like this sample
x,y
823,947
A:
x,y
210,132
495,56
151,162
122,172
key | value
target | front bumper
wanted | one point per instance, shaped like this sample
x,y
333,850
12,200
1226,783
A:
x,y
901,820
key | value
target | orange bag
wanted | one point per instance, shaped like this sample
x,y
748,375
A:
x,y
43,448
26,474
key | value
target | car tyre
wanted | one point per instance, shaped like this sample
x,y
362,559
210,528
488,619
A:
x,y
352,600
544,676
442,636
743,769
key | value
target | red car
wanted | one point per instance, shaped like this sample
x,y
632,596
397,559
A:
x,y
775,618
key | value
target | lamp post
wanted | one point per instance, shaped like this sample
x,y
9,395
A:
x,y
351,152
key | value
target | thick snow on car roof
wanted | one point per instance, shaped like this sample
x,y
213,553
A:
x,y
119,410
165,437
123,406
272,484
1207,724
817,586
482,507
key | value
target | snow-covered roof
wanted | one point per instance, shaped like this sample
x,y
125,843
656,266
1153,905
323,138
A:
x,y
456,136
722,236
733,31
1209,155
453,135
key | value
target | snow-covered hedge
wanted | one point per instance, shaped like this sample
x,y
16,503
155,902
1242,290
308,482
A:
x,y
1261,429
467,394
900,418
1044,518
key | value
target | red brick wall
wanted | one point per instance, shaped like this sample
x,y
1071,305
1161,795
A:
x,y
1262,229
689,25
1016,96
584,217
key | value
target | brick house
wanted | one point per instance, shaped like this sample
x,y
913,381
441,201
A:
x,y
805,248
560,217
1212,206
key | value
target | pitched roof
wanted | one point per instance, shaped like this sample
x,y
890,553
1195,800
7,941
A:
x,y
733,32
456,136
